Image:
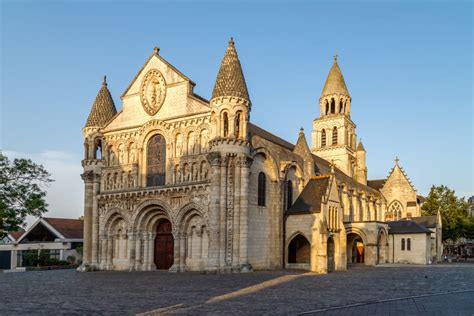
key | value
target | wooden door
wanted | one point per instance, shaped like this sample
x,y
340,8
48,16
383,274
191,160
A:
x,y
164,246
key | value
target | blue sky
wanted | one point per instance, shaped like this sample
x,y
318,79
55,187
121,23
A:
x,y
408,66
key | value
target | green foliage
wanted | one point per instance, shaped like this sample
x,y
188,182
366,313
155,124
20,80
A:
x,y
71,259
21,192
454,212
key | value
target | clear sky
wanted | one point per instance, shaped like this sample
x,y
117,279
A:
x,y
408,66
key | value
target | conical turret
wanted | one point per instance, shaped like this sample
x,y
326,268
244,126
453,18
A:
x,y
103,109
361,167
230,80
335,98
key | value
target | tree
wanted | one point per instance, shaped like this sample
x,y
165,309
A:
x,y
22,192
454,212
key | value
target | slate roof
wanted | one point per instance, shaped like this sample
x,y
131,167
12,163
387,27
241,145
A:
x,y
335,83
69,228
309,201
376,184
255,130
426,221
230,79
103,109
405,226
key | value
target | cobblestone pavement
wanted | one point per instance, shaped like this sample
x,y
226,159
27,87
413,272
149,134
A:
x,y
384,290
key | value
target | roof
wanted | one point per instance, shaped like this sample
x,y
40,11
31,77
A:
x,y
376,184
17,234
69,228
421,199
309,201
360,146
255,130
335,83
426,221
230,79
405,226
103,109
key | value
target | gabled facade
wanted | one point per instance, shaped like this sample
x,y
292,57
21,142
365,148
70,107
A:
x,y
174,181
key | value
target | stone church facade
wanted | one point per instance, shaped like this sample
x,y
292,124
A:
x,y
175,181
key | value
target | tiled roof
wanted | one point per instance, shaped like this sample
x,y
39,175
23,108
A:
x,y
103,109
69,228
17,234
335,83
426,221
230,79
376,184
405,226
309,201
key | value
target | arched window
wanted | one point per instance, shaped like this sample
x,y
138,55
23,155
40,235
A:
x,y
323,138
334,135
327,107
408,244
225,123
333,106
156,161
86,149
403,243
395,209
341,107
237,125
262,188
289,194
98,149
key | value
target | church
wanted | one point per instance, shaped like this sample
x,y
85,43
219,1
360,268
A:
x,y
178,182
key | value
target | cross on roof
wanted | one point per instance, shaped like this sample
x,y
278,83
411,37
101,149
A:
x,y
396,160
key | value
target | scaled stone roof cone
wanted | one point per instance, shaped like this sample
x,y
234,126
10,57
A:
x,y
230,79
103,109
335,83
360,147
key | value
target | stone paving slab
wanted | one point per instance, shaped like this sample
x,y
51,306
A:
x,y
383,290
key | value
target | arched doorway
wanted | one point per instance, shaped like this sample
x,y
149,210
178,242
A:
x,y
330,255
299,250
164,245
355,249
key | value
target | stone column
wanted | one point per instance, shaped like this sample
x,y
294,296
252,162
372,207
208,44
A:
x,y
138,252
132,242
110,253
237,199
151,252
214,210
364,214
355,206
345,201
182,244
244,208
222,211
88,178
95,224
146,252
14,259
176,252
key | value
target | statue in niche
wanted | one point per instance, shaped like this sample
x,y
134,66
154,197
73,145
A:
x,y
179,145
187,173
121,154
204,170
204,140
131,182
191,144
195,172
133,153
178,174
111,157
124,180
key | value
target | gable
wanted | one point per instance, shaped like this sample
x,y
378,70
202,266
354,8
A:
x,y
333,195
397,187
39,233
174,95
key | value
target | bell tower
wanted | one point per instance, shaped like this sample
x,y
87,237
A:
x,y
334,137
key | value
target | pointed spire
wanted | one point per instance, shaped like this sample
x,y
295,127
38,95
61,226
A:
x,y
360,146
103,108
335,83
230,80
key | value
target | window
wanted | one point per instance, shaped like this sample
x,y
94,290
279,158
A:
x,y
327,107
262,183
225,123
396,209
334,135
237,126
98,149
341,107
333,106
55,254
323,138
409,244
156,161
403,243
289,194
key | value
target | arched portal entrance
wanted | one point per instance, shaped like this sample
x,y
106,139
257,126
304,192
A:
x,y
299,250
164,245
355,249
330,255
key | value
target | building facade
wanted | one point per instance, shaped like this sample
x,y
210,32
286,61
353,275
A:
x,y
175,181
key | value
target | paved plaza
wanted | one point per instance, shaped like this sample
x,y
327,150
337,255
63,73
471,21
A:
x,y
388,290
